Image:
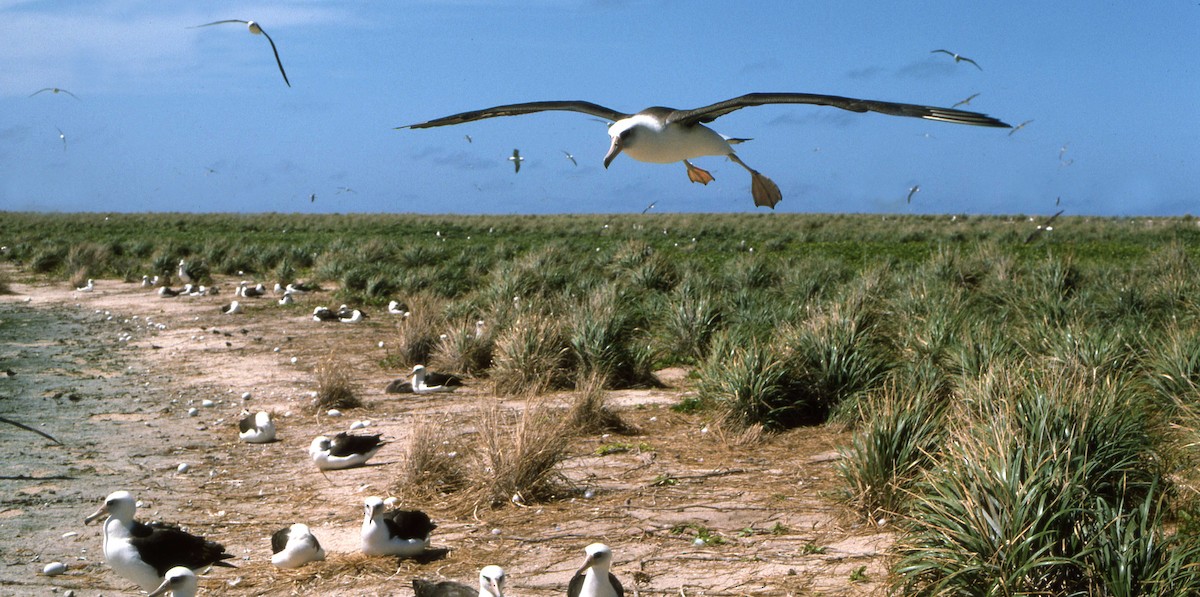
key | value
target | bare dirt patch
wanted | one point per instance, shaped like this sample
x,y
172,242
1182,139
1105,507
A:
x,y
113,373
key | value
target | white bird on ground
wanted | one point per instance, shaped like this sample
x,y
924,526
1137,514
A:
x,y
394,532
491,584
344,450
232,308
664,135
146,282
428,382
144,553
89,287
295,546
594,579
257,428
179,582
184,276
287,299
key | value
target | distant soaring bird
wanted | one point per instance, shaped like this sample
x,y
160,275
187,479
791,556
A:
x,y
957,57
912,191
570,157
1018,127
664,135
965,102
516,159
256,29
54,90
63,137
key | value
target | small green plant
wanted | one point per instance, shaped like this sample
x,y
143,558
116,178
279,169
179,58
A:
x,y
811,548
858,574
703,533
621,448
779,529
664,480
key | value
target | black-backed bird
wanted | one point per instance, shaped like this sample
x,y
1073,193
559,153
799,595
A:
x,y
54,90
957,57
344,450
665,135
257,428
429,382
394,532
295,546
144,553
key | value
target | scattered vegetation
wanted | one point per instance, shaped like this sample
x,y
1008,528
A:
x,y
335,388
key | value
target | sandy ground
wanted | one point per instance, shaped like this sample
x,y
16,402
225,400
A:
x,y
96,371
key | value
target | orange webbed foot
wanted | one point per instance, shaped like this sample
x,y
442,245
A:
x,y
698,175
765,191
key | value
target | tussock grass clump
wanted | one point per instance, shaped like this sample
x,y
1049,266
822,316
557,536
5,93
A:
x,y
335,389
466,348
606,341
530,356
80,277
417,335
1019,500
891,449
589,414
435,461
516,457
748,381
691,316
5,284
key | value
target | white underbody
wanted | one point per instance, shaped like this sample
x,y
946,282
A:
x,y
377,542
664,145
124,558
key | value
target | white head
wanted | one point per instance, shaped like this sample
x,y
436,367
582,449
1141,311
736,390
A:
x,y
599,558
179,581
119,505
373,506
319,445
625,133
491,581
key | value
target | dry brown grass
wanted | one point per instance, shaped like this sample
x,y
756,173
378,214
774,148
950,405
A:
x,y
589,414
417,335
434,462
518,455
334,387
530,356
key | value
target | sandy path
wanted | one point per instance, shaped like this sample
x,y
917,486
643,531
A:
x,y
779,530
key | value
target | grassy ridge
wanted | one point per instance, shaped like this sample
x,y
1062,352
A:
x,y
1025,411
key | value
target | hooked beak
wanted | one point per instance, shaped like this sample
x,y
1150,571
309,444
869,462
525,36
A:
x,y
97,514
586,564
612,151
162,589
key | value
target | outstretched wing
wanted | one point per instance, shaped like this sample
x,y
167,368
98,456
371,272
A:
x,y
277,60
519,109
220,22
710,113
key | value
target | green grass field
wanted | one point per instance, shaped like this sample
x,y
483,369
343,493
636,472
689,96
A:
x,y
1025,409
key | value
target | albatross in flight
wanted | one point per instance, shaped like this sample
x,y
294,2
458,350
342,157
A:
x,y
665,135
256,29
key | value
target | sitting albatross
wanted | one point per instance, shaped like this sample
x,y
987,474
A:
x,y
145,553
491,584
394,532
664,135
593,578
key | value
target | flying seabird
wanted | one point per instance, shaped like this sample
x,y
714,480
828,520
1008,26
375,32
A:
x,y
491,584
1043,227
650,207
957,57
256,428
570,157
912,191
256,29
664,135
1019,127
516,159
593,578
54,90
178,581
428,382
63,137
344,450
965,102
233,308
394,532
295,546
144,553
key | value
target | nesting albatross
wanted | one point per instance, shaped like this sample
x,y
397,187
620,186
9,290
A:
x,y
295,546
593,578
344,450
491,584
394,532
665,135
144,553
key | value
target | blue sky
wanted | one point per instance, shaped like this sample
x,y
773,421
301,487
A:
x,y
199,120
